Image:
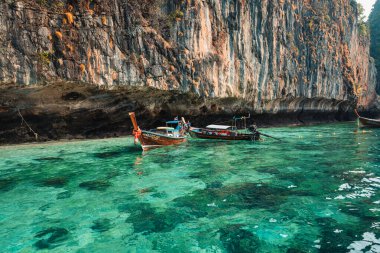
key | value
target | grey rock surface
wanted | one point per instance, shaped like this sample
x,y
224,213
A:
x,y
259,50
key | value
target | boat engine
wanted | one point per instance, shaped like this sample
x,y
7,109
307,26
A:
x,y
252,128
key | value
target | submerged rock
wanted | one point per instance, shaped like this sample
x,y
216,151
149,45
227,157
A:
x,y
236,239
101,225
52,237
336,237
240,196
214,185
359,208
294,250
159,195
146,219
49,159
108,154
117,152
64,195
269,170
45,207
112,174
7,184
57,182
95,185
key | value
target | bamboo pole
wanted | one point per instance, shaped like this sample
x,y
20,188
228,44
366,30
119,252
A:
x,y
134,122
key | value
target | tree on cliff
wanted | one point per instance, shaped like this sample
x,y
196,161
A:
x,y
363,26
374,24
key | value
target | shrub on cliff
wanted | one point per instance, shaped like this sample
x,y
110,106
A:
x,y
363,26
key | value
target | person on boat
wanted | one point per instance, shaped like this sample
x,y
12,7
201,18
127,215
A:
x,y
186,126
253,128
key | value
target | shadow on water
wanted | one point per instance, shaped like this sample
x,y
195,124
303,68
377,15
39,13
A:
x,y
117,152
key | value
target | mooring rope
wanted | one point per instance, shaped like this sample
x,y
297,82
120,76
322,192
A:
x,y
23,120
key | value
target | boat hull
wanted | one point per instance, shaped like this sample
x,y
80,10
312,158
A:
x,y
150,140
369,122
237,137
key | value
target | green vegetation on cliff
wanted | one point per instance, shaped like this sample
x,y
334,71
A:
x,y
374,23
363,26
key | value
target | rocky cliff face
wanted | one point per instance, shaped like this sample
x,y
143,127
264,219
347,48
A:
x,y
260,50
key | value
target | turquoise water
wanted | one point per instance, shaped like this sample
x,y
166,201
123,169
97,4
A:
x,y
318,191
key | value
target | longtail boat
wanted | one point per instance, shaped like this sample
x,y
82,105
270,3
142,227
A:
x,y
226,132
171,134
368,122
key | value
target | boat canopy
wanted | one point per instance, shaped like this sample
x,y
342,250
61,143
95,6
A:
x,y
172,122
165,128
221,127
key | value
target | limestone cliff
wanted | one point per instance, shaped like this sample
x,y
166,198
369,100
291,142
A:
x,y
261,50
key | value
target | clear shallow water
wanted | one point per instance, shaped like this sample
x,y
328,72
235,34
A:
x,y
316,192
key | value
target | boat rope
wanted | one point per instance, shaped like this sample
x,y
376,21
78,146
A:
x,y
137,134
26,123
267,135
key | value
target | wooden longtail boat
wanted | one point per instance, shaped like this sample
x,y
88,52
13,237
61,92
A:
x,y
368,122
224,132
161,136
